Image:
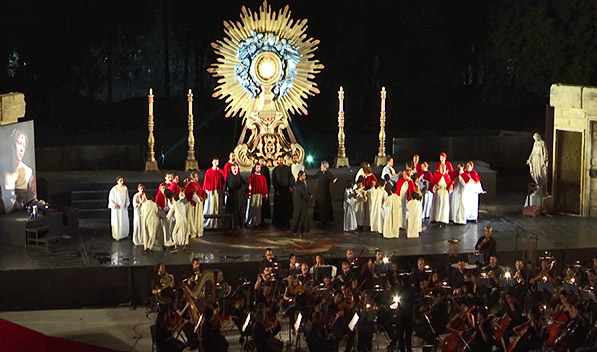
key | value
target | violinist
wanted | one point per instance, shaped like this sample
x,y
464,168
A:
x,y
367,275
346,276
421,275
211,334
511,311
457,275
294,267
486,244
304,276
263,333
269,260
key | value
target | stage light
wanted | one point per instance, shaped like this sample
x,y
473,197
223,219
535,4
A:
x,y
507,275
484,274
573,280
545,278
309,158
386,260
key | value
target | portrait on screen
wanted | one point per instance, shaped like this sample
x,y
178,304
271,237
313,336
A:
x,y
17,166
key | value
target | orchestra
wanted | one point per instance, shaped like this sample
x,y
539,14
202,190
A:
x,y
461,307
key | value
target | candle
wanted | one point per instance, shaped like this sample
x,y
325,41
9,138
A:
x,y
341,98
150,91
383,98
190,92
150,102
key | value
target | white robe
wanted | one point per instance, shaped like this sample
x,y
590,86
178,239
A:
x,y
119,218
350,219
195,217
427,198
295,168
392,221
254,206
178,214
166,226
376,199
403,200
415,218
440,210
388,170
471,200
360,207
212,207
457,214
150,220
138,201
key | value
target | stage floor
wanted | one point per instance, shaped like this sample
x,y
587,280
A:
x,y
95,247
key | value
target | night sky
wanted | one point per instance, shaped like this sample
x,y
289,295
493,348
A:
x,y
450,68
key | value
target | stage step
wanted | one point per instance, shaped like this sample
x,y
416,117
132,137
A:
x,y
94,213
101,194
89,203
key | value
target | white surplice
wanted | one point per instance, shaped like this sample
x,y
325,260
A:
x,y
471,200
457,214
393,218
440,210
414,208
254,206
138,200
178,215
376,199
119,218
427,197
151,221
403,191
212,207
359,206
195,217
350,218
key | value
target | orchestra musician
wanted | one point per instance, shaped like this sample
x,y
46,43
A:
x,y
486,244
162,286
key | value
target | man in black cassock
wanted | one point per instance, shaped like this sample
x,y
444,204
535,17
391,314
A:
x,y
234,188
323,210
283,182
266,212
300,199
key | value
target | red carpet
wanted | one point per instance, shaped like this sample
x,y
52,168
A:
x,y
14,337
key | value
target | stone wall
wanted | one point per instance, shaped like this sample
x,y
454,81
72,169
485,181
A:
x,y
575,109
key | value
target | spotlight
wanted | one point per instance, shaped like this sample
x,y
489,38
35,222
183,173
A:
x,y
309,158
385,260
507,275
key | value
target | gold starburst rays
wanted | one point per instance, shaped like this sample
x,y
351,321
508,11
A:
x,y
239,102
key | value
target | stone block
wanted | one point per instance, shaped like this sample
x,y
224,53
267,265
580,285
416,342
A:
x,y
565,96
593,161
593,212
562,122
12,106
572,114
589,99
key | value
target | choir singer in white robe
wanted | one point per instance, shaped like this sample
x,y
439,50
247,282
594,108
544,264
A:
x,y
138,199
118,202
441,184
457,208
151,221
414,208
377,196
350,219
471,193
195,197
393,218
424,182
178,214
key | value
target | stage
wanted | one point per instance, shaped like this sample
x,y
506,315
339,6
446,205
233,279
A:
x,y
91,270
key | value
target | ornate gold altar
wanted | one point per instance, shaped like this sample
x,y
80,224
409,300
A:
x,y
265,69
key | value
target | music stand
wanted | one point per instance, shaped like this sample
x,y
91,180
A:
x,y
545,286
588,296
484,282
506,282
476,258
321,272
353,321
570,288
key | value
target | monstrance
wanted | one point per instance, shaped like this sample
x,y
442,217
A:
x,y
265,70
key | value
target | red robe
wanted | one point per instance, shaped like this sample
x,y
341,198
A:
x,y
411,186
174,188
369,180
418,169
449,167
160,199
437,177
258,184
474,175
193,188
213,180
227,170
427,175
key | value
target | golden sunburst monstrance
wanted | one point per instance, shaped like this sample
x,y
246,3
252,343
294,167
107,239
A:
x,y
265,70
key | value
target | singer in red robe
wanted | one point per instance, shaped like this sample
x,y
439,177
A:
x,y
213,185
369,177
473,189
441,184
404,187
257,192
227,170
442,161
174,187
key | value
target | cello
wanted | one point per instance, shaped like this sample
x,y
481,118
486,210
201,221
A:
x,y
452,342
553,329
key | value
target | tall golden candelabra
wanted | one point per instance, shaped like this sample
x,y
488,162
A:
x,y
381,157
150,163
341,160
191,162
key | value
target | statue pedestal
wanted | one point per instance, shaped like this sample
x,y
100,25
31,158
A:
x,y
380,160
341,161
151,166
191,165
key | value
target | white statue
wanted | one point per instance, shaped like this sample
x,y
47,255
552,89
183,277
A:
x,y
537,163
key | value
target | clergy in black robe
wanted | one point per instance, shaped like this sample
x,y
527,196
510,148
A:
x,y
283,182
300,199
235,195
266,212
323,210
